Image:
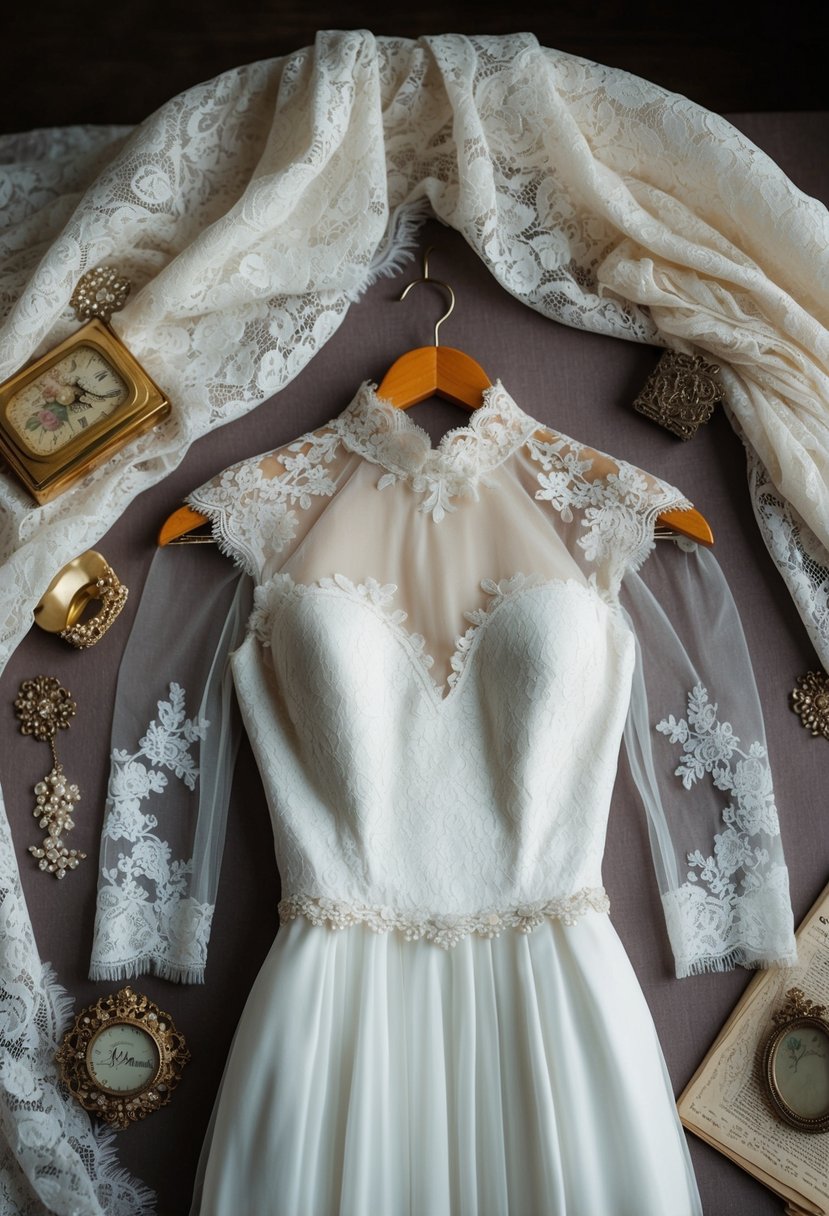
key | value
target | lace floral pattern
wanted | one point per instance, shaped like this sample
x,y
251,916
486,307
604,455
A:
x,y
460,463
734,906
444,931
144,920
377,597
380,599
798,554
250,506
499,593
52,1157
617,507
232,300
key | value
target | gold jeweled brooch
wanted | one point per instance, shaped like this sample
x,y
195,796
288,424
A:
x,y
44,708
810,701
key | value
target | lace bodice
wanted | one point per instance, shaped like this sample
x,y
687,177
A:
x,y
435,678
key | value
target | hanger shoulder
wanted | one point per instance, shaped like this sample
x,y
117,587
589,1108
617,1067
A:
x,y
430,371
690,523
461,378
182,521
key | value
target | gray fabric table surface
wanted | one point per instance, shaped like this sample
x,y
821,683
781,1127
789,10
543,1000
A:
x,y
580,383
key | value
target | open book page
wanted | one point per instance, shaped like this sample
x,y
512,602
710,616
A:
x,y
724,1102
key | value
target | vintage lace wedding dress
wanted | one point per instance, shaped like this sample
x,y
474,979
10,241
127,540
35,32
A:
x,y
435,679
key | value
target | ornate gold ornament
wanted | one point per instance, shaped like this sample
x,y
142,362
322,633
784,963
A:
x,y
122,1057
44,708
810,701
100,293
795,1063
71,409
85,580
680,393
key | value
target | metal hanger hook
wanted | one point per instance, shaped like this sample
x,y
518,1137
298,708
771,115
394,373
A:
x,y
437,283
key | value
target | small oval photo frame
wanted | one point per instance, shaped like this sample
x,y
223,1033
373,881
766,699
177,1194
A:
x,y
795,1069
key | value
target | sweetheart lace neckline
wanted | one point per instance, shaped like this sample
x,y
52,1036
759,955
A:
x,y
379,598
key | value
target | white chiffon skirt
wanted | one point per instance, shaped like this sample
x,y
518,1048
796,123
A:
x,y
518,1076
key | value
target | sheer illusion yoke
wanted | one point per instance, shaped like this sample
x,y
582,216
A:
x,y
445,646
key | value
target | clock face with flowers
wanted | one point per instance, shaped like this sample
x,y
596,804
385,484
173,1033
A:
x,y
71,409
62,402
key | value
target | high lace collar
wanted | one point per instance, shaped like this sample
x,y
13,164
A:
x,y
464,458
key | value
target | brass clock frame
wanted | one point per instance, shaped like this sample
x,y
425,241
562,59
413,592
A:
x,y
120,1108
798,1012
49,475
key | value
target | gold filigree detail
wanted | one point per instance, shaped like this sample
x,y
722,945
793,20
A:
x,y
86,1077
86,578
113,595
44,708
100,293
797,1005
680,393
810,701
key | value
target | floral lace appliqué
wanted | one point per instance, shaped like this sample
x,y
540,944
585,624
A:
x,y
379,598
251,508
145,921
447,930
735,904
462,461
619,506
498,592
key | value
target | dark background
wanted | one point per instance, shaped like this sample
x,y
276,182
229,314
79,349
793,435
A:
x,y
114,63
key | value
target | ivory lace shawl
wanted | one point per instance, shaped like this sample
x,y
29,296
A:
x,y
252,210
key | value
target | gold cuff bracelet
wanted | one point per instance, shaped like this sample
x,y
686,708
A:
x,y
86,578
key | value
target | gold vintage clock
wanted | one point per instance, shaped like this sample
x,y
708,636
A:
x,y
122,1057
71,409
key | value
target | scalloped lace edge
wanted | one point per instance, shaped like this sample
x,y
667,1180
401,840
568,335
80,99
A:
x,y
444,930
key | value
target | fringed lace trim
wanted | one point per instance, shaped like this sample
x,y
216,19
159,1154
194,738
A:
x,y
738,956
443,930
149,965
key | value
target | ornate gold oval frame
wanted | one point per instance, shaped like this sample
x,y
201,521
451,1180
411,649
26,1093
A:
x,y
117,1107
797,1012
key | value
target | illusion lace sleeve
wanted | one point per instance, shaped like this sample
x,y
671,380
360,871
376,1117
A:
x,y
174,739
176,729
697,750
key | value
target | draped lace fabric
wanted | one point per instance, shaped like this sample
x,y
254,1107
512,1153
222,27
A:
x,y
52,1157
796,550
251,210
365,544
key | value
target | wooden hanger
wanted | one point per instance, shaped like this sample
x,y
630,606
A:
x,y
430,371
434,371
442,371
